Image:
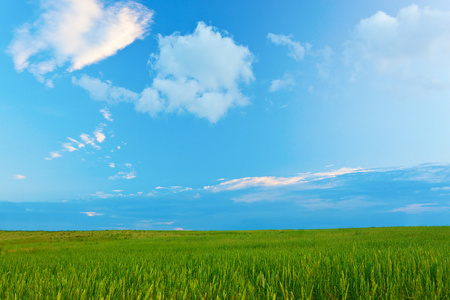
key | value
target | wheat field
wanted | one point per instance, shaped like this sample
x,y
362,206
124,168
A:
x,y
371,263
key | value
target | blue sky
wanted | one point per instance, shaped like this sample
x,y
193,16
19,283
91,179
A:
x,y
224,115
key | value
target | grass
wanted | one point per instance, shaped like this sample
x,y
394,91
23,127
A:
x,y
371,263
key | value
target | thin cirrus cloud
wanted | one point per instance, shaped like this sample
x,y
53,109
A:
x,y
284,83
106,114
105,91
296,50
91,213
77,33
19,177
199,73
124,175
409,49
272,181
322,58
73,145
417,208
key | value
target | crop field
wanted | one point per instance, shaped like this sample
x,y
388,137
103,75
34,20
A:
x,y
371,263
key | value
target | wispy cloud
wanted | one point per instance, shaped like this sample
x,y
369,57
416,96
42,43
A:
x,y
77,33
91,213
174,189
69,148
272,181
103,195
444,188
88,140
418,208
123,175
53,155
296,50
19,177
284,83
164,223
105,91
107,114
77,143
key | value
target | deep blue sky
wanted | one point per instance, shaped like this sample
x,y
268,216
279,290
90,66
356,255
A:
x,y
224,115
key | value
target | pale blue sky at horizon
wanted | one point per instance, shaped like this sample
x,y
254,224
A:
x,y
224,115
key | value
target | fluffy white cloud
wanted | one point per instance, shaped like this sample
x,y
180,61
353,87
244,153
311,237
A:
x,y
296,50
272,181
408,50
19,177
199,73
77,33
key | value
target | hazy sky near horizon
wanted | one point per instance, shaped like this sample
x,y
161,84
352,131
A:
x,y
224,114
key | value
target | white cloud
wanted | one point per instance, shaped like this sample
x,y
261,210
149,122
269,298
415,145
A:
x,y
91,213
178,229
79,145
77,33
107,114
286,82
199,73
164,223
103,195
112,165
88,140
53,155
128,165
296,50
261,196
409,50
19,177
105,91
117,191
123,175
444,188
99,135
174,189
420,208
272,181
68,147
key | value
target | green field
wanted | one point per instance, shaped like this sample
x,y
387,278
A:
x,y
371,263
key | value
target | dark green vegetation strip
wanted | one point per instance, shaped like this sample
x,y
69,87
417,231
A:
x,y
373,263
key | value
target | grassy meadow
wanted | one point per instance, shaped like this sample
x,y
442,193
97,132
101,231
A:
x,y
371,263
